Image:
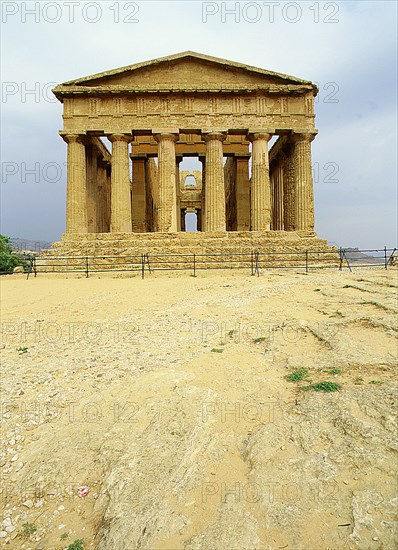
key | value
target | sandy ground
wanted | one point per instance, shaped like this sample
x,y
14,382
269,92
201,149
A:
x,y
169,398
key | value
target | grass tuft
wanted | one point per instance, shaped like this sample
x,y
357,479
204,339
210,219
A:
x,y
76,545
298,375
326,387
334,371
259,340
28,529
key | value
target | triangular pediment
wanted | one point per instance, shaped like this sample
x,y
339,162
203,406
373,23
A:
x,y
183,71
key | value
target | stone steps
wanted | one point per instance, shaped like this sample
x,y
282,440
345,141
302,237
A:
x,y
274,247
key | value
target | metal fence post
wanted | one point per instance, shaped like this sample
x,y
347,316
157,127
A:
x,y
86,267
385,257
306,261
194,265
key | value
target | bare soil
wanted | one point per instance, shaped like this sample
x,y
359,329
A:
x,y
170,399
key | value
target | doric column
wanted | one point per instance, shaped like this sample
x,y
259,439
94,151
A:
x,y
93,195
120,184
288,190
203,208
199,219
278,197
76,192
260,185
178,194
303,184
103,187
214,183
167,205
138,195
242,190
182,219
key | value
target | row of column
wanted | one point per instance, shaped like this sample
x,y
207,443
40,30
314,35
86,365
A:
x,y
297,164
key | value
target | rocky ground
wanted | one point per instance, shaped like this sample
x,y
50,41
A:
x,y
170,399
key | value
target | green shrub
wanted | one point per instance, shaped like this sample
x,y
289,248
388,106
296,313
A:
x,y
28,529
8,257
76,545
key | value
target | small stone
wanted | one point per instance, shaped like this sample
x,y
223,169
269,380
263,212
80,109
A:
x,y
3,534
375,538
61,507
28,503
10,529
345,482
14,458
7,522
61,526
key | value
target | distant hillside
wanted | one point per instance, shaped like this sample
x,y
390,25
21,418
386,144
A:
x,y
354,255
27,244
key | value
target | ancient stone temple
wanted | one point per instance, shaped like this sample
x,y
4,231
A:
x,y
127,131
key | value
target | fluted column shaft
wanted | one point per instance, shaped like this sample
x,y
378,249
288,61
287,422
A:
x,y
178,196
288,191
103,191
303,183
242,190
260,200
214,186
167,205
120,184
278,197
76,192
138,196
93,195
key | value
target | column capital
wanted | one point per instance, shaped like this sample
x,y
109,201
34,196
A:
x,y
305,136
165,137
259,135
220,136
74,138
120,137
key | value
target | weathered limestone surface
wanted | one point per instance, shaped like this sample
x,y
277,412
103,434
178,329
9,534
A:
x,y
138,196
304,197
169,111
275,248
76,198
215,189
120,188
260,185
167,206
242,193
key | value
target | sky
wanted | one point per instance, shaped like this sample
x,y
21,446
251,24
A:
x,y
348,48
